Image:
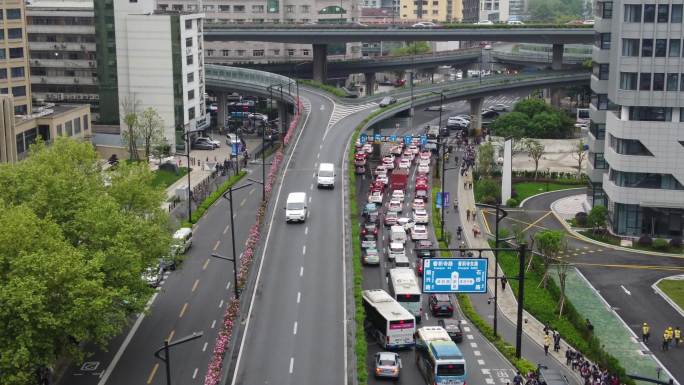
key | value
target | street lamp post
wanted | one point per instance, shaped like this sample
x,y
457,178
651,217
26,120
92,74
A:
x,y
166,359
186,137
232,235
440,147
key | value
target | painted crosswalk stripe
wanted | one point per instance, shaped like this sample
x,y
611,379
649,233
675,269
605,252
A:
x,y
480,362
477,353
341,111
489,381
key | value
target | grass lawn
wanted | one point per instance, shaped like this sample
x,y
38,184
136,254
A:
x,y
674,289
166,178
527,189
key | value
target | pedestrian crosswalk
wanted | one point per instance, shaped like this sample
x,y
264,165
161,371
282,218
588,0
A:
x,y
500,99
307,105
341,111
581,251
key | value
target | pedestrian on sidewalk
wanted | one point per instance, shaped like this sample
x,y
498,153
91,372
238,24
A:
x,y
468,215
590,327
556,341
517,380
459,231
504,281
470,185
547,343
677,336
645,332
465,185
568,356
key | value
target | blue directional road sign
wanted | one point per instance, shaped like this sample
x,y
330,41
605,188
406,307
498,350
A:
x,y
423,140
446,198
407,139
455,275
393,138
377,137
363,138
438,200
236,148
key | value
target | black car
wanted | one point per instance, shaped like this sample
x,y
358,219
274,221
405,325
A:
x,y
489,114
441,305
453,327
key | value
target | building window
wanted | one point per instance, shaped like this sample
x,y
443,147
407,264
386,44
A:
x,y
13,14
17,72
644,180
257,8
77,126
16,53
85,123
598,130
68,128
628,81
190,59
602,40
644,81
3,73
224,8
210,52
191,113
19,91
305,52
14,33
177,7
188,24
632,13
663,13
675,47
597,160
238,8
21,109
647,48
290,52
672,82
649,13
258,52
276,52
241,52
605,9
59,130
628,147
191,94
661,48
600,101
190,77
188,42
225,52
658,81
600,70
305,8
650,114
290,8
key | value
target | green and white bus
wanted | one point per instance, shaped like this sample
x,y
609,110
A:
x,y
438,358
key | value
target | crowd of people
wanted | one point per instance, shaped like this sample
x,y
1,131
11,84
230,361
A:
x,y
671,337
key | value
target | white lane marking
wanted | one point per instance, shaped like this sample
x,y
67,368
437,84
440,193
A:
x,y
294,329
469,336
466,329
306,230
476,353
301,271
320,147
309,199
194,374
311,187
304,250
480,362
490,381
226,229
204,348
228,285
291,364
252,191
427,317
318,156
221,304
314,174
625,290
213,324
127,340
243,202
473,344
299,296
486,372
322,107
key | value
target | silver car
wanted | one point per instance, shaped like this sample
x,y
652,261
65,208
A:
x,y
387,364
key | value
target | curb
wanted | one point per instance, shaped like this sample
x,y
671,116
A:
x,y
667,298
606,245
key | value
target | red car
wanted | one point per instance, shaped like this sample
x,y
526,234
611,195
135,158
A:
x,y
369,227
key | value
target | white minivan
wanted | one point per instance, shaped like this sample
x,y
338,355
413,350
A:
x,y
397,234
295,208
326,175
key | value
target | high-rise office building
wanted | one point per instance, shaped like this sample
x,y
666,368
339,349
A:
x,y
444,11
273,12
14,69
494,10
61,44
148,58
636,139
471,11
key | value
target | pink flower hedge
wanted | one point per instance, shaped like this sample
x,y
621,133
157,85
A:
x,y
226,330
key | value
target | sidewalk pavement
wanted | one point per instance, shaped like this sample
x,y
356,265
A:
x,y
508,304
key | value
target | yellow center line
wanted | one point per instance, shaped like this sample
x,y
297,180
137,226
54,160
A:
x,y
217,245
185,306
486,224
537,221
194,286
205,264
154,371
636,267
171,335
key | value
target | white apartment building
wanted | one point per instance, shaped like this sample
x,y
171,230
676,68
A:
x,y
157,61
636,139
274,12
494,10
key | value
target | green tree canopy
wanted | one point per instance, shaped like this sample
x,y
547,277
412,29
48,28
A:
x,y
415,48
72,252
556,10
533,118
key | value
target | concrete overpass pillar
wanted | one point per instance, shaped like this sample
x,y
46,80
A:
x,y
282,114
556,96
476,113
221,112
320,62
369,77
557,57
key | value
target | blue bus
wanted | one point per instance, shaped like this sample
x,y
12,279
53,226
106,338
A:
x,y
438,358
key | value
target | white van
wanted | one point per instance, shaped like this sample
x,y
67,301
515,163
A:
x,y
326,175
296,207
182,239
401,261
395,250
397,234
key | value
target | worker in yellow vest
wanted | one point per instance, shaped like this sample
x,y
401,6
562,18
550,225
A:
x,y
666,342
677,336
547,343
645,332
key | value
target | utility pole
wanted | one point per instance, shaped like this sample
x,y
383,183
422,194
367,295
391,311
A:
x,y
166,359
521,297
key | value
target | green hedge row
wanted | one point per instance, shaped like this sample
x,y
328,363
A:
x,y
543,305
204,206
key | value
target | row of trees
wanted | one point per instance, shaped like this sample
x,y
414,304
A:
x,y
557,11
72,251
534,118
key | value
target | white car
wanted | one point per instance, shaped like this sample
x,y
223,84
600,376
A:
x,y
375,197
499,107
515,22
418,204
488,47
398,195
395,249
424,168
404,163
414,149
406,222
395,205
213,141
368,148
420,216
388,163
425,155
382,178
419,232
485,22
425,24
408,154
381,170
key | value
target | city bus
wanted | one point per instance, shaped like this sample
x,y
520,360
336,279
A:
x,y
438,358
404,288
391,324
